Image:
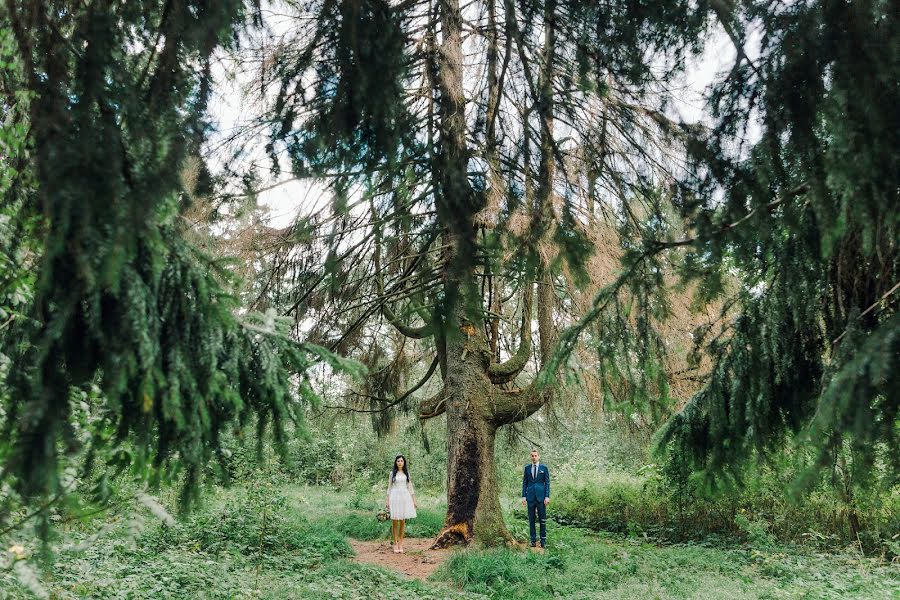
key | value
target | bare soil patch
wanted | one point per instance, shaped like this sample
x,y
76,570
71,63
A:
x,y
418,561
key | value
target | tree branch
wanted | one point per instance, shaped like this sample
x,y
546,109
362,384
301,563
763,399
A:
x,y
657,245
434,406
514,406
870,309
392,403
506,371
418,333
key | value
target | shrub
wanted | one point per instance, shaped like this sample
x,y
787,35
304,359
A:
x,y
612,502
256,523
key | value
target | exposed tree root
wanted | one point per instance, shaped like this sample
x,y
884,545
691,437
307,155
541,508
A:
x,y
459,534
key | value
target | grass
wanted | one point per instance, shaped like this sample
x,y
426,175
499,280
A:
x,y
287,541
584,565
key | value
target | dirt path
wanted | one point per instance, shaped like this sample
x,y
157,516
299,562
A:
x,y
417,562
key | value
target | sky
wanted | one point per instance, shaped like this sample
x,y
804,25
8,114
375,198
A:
x,y
287,198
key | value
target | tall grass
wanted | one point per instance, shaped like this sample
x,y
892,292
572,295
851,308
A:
x,y
647,504
581,566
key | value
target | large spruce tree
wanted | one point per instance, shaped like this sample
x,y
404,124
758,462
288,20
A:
x,y
470,150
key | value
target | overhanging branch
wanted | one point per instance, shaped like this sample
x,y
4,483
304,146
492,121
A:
x,y
569,337
434,406
424,331
511,407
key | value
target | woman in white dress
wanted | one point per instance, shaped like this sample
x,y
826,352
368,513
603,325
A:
x,y
401,501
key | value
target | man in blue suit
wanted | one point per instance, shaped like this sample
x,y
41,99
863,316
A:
x,y
536,495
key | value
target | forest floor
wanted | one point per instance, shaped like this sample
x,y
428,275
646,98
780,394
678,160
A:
x,y
417,561
280,540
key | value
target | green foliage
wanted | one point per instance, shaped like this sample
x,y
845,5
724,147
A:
x,y
177,368
360,525
352,581
364,526
427,523
357,66
760,512
605,480
120,298
479,571
617,503
813,204
756,530
258,523
615,38
18,227
347,453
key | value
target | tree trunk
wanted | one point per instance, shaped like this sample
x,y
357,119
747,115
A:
x,y
473,492
468,394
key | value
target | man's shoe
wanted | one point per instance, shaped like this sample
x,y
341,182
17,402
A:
x,y
543,545
533,544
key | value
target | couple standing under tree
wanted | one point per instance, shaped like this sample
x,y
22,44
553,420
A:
x,y
401,498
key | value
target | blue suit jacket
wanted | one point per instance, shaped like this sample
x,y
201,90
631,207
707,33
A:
x,y
535,489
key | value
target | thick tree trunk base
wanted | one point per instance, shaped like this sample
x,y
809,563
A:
x,y
473,503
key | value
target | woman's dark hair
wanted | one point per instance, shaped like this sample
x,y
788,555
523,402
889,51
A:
x,y
405,465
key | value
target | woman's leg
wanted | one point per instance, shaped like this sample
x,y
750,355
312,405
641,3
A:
x,y
402,533
395,527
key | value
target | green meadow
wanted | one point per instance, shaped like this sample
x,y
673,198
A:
x,y
274,539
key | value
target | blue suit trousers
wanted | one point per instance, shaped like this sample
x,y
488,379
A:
x,y
537,510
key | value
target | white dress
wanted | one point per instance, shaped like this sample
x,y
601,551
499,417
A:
x,y
400,493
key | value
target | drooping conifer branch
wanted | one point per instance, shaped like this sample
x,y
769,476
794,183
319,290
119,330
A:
x,y
122,299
